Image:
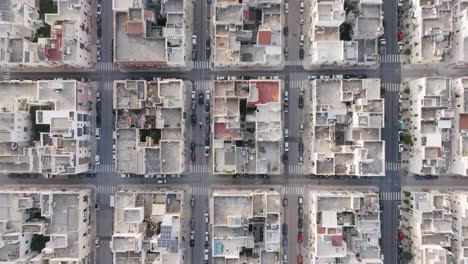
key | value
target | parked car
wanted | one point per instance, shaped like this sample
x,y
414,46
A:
x,y
207,151
285,158
286,7
299,259
299,237
194,54
400,47
301,7
193,146
97,206
99,32
300,200
201,98
98,133
97,160
299,223
96,242
207,141
193,119
400,35
301,53
301,102
164,181
194,40
192,202
286,52
300,211
192,238
285,229
193,156
285,202
208,41
285,31
300,147
285,242
99,9
207,219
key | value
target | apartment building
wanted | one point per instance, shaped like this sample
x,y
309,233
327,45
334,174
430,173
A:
x,y
439,32
149,126
245,226
438,223
247,34
432,118
46,225
31,40
150,35
459,153
345,38
45,127
346,119
148,226
247,127
344,227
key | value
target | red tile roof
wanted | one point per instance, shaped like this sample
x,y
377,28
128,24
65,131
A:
x,y
268,91
134,27
463,121
264,37
337,241
246,14
54,46
221,132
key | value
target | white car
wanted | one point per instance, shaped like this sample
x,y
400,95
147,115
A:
x,y
301,7
97,160
207,219
96,242
125,175
98,133
400,47
194,40
99,9
286,146
401,148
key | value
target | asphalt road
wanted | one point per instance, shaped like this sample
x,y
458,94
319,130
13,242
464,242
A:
x,y
388,72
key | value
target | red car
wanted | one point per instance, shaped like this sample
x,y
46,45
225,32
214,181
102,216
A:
x,y
299,237
400,36
299,259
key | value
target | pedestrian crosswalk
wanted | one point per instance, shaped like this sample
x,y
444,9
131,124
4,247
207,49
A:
x,y
390,196
390,58
296,169
202,85
294,62
107,189
201,169
105,168
200,190
200,64
295,84
106,66
392,87
107,86
294,190
392,166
